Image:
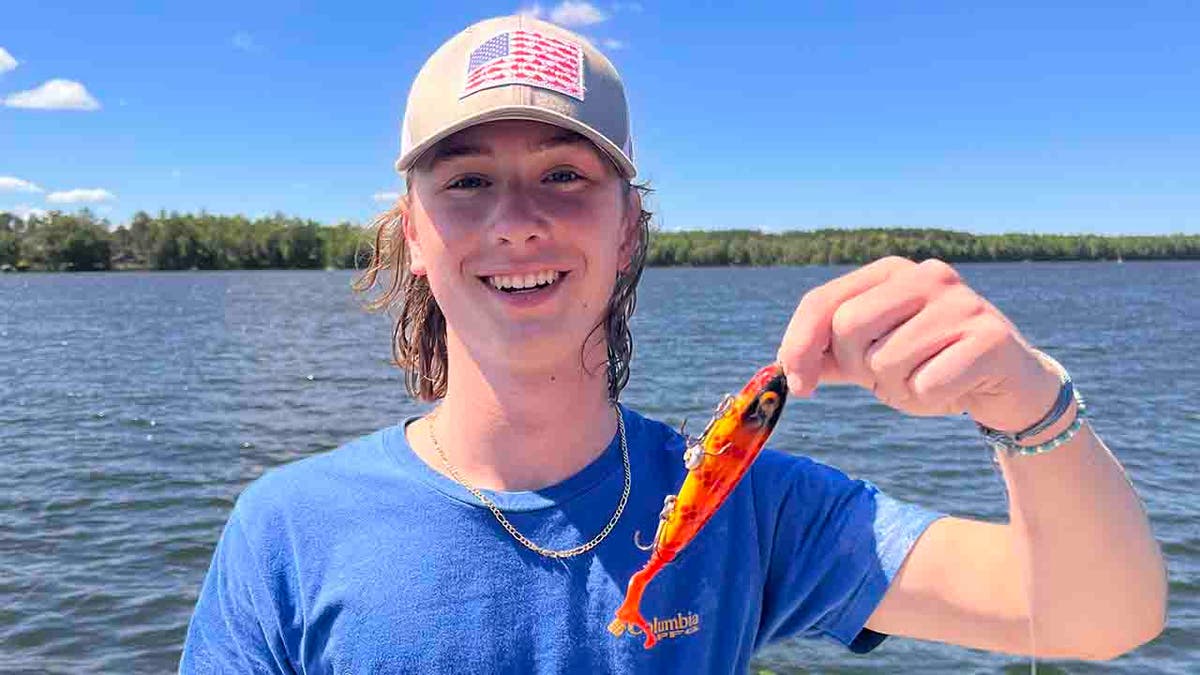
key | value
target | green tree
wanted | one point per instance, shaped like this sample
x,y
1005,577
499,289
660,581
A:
x,y
59,241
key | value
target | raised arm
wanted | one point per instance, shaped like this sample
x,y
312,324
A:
x,y
1078,543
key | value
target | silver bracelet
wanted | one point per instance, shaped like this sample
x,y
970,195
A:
x,y
1010,444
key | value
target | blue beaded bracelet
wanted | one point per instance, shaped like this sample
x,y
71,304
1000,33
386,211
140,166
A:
x,y
1010,444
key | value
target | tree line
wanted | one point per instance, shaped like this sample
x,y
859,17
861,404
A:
x,y
837,246
179,241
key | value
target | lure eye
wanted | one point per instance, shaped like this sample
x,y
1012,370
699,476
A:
x,y
768,403
761,409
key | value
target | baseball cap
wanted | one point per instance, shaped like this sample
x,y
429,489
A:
x,y
517,67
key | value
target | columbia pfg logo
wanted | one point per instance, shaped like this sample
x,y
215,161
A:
x,y
680,624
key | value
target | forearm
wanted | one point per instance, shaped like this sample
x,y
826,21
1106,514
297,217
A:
x,y
1084,547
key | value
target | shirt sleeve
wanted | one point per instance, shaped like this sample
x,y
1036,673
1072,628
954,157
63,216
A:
x,y
837,545
234,627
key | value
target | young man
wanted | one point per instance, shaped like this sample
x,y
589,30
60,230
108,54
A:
x,y
497,533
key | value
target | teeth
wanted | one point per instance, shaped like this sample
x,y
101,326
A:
x,y
519,281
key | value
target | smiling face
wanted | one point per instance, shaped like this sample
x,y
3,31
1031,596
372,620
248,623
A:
x,y
520,228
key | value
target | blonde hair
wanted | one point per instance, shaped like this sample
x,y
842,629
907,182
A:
x,y
419,333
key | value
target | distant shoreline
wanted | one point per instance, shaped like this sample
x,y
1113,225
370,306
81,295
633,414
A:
x,y
727,266
173,241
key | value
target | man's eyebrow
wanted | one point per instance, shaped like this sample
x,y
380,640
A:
x,y
448,151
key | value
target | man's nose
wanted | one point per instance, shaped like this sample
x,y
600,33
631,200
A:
x,y
517,219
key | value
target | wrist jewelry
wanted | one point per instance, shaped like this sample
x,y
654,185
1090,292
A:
x,y
1010,444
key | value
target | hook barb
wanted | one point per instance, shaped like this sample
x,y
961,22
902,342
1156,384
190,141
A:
x,y
637,541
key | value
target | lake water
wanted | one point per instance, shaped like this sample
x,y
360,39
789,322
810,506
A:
x,y
135,406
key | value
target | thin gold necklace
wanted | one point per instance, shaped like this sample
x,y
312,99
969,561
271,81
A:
x,y
548,552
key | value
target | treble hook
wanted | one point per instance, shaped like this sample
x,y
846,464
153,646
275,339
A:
x,y
694,456
663,517
687,440
694,453
722,407
724,448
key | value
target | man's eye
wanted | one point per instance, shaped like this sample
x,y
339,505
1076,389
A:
x,y
467,183
562,176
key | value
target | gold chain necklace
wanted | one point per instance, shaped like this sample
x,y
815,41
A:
x,y
548,552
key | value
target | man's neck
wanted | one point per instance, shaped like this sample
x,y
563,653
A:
x,y
518,431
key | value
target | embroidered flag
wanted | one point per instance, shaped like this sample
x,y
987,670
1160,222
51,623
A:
x,y
526,57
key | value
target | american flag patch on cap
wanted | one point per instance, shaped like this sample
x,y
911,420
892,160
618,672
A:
x,y
526,57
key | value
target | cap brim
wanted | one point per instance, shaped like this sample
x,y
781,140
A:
x,y
522,112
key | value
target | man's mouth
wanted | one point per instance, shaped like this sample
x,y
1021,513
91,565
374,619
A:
x,y
524,283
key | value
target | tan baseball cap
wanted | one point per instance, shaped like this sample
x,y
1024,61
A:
x,y
517,67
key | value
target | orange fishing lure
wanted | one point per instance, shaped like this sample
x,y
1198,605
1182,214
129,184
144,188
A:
x,y
715,462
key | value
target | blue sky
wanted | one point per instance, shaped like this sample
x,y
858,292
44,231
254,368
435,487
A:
x,y
1014,117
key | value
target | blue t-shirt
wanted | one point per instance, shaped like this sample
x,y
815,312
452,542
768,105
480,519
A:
x,y
364,559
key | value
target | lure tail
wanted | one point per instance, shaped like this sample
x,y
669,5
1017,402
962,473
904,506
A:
x,y
629,614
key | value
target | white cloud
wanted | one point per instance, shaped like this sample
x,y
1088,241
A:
x,y
7,62
54,95
17,185
571,13
386,197
609,43
244,41
80,196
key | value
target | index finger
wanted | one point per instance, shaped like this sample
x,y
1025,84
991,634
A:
x,y
811,327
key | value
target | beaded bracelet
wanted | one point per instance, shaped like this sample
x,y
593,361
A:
x,y
1010,443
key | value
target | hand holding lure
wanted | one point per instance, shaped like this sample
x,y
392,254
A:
x,y
715,462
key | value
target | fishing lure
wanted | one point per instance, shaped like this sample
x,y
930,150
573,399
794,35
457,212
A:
x,y
716,461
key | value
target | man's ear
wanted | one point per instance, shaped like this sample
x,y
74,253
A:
x,y
629,239
412,247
